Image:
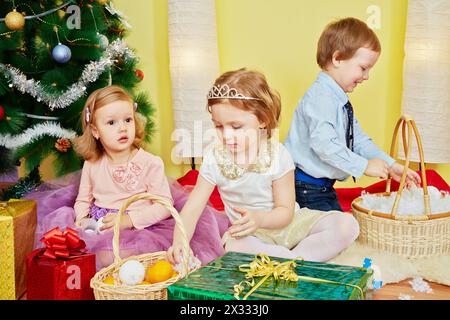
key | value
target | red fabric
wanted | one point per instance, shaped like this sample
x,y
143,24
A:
x,y
345,195
49,279
190,179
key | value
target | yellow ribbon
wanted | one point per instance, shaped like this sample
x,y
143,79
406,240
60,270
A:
x,y
262,266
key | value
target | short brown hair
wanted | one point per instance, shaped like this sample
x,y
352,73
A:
x,y
253,84
345,36
86,145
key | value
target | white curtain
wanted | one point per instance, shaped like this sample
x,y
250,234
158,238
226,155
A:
x,y
194,65
426,77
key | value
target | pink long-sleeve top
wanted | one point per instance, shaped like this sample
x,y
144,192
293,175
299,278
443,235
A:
x,y
108,186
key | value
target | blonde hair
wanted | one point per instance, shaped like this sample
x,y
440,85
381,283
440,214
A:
x,y
345,36
253,84
86,145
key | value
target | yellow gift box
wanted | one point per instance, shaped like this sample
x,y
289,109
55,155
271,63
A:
x,y
17,227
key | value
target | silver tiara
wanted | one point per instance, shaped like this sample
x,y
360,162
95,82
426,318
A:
x,y
88,112
225,92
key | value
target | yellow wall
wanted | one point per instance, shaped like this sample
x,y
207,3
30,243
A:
x,y
277,37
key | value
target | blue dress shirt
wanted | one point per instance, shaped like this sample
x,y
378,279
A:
x,y
316,138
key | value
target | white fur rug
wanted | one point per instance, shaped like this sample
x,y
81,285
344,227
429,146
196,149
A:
x,y
395,268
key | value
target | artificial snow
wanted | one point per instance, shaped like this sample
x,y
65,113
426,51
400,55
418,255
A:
x,y
411,202
419,285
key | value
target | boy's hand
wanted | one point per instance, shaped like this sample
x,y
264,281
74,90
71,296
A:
x,y
246,225
396,172
110,219
377,168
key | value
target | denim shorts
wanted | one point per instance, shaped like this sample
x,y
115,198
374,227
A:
x,y
316,197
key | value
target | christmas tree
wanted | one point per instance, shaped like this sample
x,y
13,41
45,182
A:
x,y
53,54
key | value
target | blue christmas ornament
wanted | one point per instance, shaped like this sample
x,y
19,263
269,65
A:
x,y
61,53
102,41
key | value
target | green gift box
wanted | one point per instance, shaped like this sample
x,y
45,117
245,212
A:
x,y
216,281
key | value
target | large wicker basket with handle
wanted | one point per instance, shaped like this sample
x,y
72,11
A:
x,y
410,236
156,291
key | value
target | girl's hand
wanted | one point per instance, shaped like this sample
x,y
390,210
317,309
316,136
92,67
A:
x,y
175,253
110,219
80,222
87,223
396,172
246,225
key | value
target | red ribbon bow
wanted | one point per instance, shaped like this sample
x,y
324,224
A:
x,y
63,244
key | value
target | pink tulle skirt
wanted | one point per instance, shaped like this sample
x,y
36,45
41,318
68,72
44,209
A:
x,y
55,201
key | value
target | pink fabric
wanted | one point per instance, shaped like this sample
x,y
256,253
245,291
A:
x,y
55,202
108,186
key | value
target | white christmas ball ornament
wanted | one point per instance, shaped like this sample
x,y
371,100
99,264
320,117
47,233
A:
x,y
132,272
61,53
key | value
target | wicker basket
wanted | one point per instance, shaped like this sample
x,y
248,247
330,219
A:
x,y
406,235
157,291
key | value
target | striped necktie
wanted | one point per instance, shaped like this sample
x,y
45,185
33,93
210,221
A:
x,y
349,137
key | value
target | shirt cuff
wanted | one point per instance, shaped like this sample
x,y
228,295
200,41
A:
x,y
137,221
390,161
359,167
142,219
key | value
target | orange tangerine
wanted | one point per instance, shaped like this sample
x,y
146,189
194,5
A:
x,y
143,283
109,280
160,271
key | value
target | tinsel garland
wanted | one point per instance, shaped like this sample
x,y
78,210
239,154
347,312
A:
x,y
110,7
31,134
91,73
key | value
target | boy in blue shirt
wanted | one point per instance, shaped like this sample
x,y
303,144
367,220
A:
x,y
325,139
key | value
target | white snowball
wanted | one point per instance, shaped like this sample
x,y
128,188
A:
x,y
99,225
89,225
132,272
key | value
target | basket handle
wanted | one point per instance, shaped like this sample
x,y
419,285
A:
x,y
166,203
407,121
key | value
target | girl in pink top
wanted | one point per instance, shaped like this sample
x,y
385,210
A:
x,y
115,166
115,169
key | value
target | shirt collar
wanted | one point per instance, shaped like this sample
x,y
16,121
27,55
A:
x,y
326,79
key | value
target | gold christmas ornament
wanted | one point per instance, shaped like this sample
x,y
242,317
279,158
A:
x,y
61,14
15,20
62,145
102,2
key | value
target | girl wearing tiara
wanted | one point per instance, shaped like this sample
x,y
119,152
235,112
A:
x,y
115,169
255,177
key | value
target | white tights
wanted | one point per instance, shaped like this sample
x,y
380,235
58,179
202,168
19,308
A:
x,y
327,238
